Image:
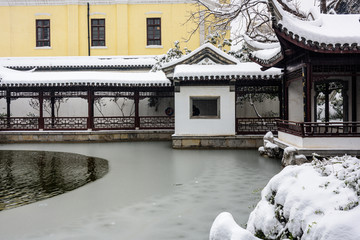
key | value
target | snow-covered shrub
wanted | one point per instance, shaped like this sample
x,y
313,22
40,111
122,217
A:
x,y
317,200
172,53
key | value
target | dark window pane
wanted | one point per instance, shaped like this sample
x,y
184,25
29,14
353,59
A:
x,y
98,32
42,33
153,31
102,33
46,34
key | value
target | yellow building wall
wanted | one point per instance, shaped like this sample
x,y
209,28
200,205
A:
x,y
125,26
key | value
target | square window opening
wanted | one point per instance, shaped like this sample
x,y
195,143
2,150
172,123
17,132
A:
x,y
204,107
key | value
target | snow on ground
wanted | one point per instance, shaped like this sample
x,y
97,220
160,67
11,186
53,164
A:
x,y
317,200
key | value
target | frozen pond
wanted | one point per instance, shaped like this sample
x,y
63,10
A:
x,y
31,176
150,192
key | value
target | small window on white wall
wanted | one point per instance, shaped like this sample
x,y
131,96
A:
x,y
204,107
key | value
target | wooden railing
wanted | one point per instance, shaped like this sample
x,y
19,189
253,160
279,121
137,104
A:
x,y
84,123
320,129
245,126
19,123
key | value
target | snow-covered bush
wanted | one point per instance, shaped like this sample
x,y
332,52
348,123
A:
x,y
317,200
172,53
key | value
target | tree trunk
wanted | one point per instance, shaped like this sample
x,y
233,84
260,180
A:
x,y
323,6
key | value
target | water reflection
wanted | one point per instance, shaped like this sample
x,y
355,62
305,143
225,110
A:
x,y
30,176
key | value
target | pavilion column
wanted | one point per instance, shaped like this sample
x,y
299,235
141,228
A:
x,y
41,110
137,117
353,98
353,101
307,82
90,120
308,92
345,96
327,107
281,100
8,108
52,100
286,100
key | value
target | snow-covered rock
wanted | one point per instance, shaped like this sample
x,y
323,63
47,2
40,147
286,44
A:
x,y
317,200
269,149
291,157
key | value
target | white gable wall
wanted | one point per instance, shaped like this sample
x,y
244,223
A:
x,y
223,126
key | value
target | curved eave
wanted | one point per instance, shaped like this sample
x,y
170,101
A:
x,y
315,46
268,63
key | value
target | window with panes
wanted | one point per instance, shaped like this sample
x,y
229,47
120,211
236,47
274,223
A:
x,y
153,26
43,33
97,32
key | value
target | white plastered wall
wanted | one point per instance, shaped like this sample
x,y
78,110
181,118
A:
x,y
223,126
296,101
78,107
267,108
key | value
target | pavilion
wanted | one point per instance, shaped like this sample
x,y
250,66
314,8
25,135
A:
x,y
320,55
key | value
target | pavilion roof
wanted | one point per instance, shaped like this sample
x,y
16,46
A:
x,y
78,62
9,77
224,72
327,33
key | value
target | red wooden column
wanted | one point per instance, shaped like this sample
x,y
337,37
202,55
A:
x,y
353,101
281,99
90,119
307,82
52,99
308,92
41,110
137,117
8,109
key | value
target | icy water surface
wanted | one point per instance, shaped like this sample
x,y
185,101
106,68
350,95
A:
x,y
30,176
151,192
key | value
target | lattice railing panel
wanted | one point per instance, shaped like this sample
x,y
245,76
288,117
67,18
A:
x,y
65,123
14,123
157,122
255,125
102,123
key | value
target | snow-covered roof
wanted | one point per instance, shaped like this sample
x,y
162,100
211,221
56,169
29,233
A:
x,y
267,57
216,72
200,49
255,45
78,62
327,32
9,77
